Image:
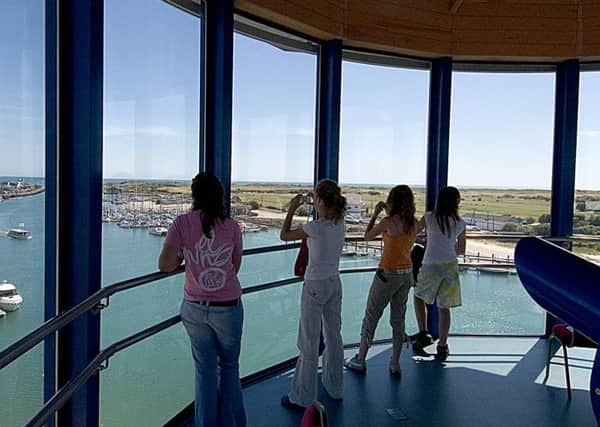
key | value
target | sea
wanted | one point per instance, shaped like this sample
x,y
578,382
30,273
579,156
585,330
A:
x,y
147,384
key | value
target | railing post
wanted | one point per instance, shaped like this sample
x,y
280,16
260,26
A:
x,y
80,104
219,91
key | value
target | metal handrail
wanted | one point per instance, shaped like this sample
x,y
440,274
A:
x,y
49,327
94,302
101,360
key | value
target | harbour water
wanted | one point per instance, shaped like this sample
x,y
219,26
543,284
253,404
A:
x,y
148,383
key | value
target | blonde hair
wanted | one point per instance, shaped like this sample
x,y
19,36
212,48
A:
x,y
331,195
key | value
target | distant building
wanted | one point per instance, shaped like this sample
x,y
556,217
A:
x,y
355,205
593,206
113,190
238,209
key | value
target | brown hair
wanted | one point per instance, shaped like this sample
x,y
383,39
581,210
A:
x,y
401,202
331,195
446,208
209,197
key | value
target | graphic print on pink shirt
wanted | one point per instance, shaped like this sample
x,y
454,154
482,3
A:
x,y
211,260
209,270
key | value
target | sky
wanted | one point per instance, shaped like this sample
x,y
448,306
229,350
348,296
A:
x,y
501,128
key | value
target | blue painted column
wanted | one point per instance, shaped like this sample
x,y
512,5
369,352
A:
x,y
329,94
329,82
202,95
438,138
565,148
566,109
438,132
50,222
219,91
80,79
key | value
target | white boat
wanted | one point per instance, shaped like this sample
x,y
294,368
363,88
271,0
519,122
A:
x,y
496,270
19,233
2,313
10,300
158,231
348,252
352,219
250,228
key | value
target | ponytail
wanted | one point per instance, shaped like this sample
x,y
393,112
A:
x,y
331,195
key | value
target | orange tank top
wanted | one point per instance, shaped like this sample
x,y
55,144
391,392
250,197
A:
x,y
396,251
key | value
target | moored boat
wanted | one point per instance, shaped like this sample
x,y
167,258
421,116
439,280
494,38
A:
x,y
158,231
10,300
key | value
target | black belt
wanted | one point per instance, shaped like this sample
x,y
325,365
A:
x,y
229,303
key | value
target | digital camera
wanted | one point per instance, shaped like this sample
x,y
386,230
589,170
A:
x,y
306,199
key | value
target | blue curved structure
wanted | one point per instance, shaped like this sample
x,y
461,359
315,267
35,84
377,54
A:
x,y
567,286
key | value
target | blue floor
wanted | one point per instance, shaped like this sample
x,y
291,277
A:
x,y
485,382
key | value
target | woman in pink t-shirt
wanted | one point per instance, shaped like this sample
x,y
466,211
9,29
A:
x,y
212,312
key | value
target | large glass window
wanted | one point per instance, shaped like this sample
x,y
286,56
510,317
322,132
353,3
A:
x,y
274,92
151,151
586,221
383,136
501,137
383,143
22,201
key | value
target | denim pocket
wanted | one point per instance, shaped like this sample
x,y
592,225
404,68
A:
x,y
314,291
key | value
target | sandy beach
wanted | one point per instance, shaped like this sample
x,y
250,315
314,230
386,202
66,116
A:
x,y
487,248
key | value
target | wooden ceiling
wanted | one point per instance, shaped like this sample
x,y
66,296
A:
x,y
528,30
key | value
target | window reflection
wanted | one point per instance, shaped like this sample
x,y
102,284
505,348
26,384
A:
x,y
22,202
274,92
586,219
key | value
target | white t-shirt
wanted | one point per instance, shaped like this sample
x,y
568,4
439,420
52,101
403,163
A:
x,y
325,243
441,247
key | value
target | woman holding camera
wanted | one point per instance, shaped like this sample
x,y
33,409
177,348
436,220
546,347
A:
x,y
212,312
321,304
394,278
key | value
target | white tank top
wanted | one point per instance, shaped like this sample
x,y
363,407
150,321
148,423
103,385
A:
x,y
441,247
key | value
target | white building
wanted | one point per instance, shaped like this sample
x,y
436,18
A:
x,y
354,205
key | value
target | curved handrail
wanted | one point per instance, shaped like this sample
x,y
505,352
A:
x,y
32,339
63,395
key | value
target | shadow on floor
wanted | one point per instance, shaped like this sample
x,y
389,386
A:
x,y
478,386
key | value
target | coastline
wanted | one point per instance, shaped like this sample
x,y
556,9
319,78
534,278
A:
x,y
27,193
487,248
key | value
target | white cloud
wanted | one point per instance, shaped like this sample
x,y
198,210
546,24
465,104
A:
x,y
164,131
592,133
17,117
274,130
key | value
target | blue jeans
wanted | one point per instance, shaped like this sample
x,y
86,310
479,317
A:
x,y
215,334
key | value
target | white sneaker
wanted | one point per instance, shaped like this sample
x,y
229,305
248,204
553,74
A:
x,y
356,365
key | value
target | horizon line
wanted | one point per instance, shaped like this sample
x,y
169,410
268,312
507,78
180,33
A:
x,y
306,183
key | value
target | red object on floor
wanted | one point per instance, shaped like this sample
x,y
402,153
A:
x,y
314,416
565,335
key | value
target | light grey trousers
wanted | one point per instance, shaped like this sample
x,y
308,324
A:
x,y
321,307
394,290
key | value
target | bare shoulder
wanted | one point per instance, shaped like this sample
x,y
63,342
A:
x,y
385,222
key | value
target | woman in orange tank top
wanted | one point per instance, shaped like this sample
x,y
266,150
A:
x,y
393,279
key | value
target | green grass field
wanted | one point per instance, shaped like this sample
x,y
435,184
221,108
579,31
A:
x,y
521,205
516,203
